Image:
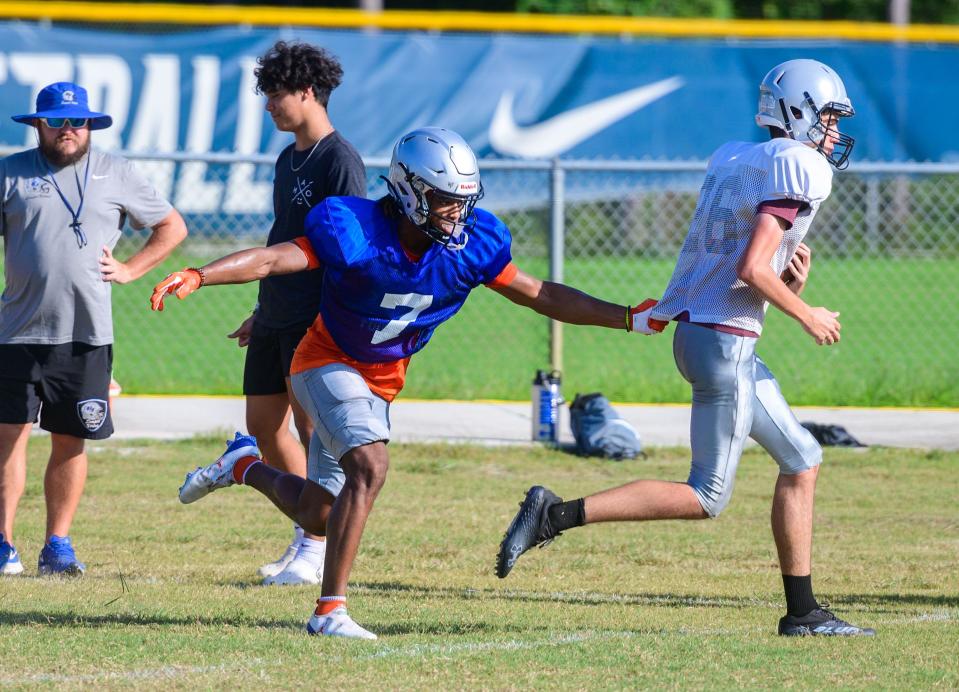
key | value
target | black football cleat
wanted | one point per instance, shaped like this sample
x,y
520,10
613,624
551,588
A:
x,y
530,527
820,623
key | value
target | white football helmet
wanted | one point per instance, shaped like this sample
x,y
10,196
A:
x,y
437,160
793,96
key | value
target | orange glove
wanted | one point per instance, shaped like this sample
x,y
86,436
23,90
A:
x,y
181,283
640,320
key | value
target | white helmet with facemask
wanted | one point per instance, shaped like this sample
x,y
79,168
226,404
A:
x,y
793,97
438,161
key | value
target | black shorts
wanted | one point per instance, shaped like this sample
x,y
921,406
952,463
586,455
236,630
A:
x,y
66,385
268,358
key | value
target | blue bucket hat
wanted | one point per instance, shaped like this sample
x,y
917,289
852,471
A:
x,y
65,100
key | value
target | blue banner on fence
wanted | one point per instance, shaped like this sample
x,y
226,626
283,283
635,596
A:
x,y
509,95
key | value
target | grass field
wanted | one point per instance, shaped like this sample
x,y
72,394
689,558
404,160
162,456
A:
x,y
900,323
170,600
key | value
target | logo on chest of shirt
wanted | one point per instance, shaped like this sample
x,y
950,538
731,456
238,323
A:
x,y
302,192
38,187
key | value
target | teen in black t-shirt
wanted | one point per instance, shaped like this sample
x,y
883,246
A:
x,y
297,80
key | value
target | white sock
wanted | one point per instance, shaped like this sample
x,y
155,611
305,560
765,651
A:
x,y
297,533
312,551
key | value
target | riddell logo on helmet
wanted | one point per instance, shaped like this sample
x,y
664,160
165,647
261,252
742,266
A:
x,y
466,187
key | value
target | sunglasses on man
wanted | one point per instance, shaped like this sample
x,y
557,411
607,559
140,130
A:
x,y
59,123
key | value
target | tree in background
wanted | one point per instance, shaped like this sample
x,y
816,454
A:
x,y
718,9
922,11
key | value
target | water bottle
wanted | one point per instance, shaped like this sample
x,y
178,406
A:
x,y
546,399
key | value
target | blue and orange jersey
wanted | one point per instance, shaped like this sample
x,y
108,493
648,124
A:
x,y
379,305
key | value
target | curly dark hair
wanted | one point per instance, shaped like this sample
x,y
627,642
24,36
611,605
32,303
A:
x,y
297,66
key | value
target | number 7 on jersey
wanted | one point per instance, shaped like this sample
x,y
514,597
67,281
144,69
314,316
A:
x,y
416,302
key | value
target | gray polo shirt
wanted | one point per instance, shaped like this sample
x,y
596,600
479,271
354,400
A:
x,y
53,292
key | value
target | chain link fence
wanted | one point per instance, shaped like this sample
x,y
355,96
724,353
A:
x,y
884,255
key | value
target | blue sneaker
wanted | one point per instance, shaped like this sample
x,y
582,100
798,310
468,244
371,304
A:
x,y
57,557
205,479
9,558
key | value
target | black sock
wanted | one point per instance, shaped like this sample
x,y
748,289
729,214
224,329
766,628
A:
x,y
567,515
799,598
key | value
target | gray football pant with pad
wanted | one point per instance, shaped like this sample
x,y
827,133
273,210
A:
x,y
735,396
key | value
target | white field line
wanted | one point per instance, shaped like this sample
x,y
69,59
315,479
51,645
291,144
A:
x,y
162,673
938,616
468,648
447,650
414,651
632,599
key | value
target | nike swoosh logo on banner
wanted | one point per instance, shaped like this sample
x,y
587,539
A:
x,y
564,131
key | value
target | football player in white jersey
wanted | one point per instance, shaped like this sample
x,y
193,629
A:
x,y
744,250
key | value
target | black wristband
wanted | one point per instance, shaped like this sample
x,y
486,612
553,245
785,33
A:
x,y
200,272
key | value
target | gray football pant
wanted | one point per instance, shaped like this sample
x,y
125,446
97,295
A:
x,y
345,415
734,396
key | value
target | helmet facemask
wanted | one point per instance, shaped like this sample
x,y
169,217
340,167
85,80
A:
x,y
430,221
820,132
433,173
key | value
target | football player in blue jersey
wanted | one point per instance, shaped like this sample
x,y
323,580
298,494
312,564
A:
x,y
395,269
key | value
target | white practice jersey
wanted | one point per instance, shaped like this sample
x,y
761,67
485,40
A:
x,y
740,176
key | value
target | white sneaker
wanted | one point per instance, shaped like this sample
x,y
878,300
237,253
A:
x,y
337,623
271,569
296,573
305,568
205,479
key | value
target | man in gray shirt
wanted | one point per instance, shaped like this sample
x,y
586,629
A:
x,y
62,209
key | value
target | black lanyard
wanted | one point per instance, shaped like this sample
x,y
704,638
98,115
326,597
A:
x,y
76,224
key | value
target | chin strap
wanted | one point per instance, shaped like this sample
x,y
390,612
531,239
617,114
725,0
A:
x,y
788,126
